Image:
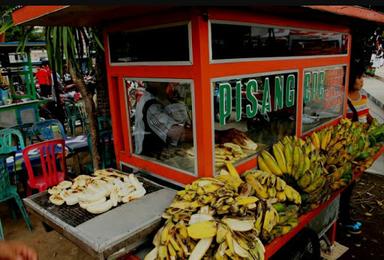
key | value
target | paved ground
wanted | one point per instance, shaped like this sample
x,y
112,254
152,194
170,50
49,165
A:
x,y
374,87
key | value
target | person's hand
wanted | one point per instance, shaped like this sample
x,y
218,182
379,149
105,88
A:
x,y
13,250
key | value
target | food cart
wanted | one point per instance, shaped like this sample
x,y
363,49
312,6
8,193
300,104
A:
x,y
246,77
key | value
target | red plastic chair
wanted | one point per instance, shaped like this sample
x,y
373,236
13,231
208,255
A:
x,y
52,164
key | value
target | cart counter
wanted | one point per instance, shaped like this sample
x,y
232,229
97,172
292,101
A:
x,y
110,234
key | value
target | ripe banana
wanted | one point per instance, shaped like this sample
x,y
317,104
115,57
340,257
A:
x,y
271,163
260,190
263,165
279,155
315,140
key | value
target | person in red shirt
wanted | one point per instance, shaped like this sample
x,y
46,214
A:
x,y
43,76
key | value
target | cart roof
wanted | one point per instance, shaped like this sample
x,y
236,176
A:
x,y
101,15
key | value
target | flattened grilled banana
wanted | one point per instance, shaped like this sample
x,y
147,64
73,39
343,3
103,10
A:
x,y
56,199
64,185
85,205
100,207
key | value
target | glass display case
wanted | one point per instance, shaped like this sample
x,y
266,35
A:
x,y
161,121
323,96
252,112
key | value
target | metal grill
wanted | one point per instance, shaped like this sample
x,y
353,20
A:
x,y
75,215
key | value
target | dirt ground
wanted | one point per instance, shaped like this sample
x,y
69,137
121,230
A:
x,y
49,245
368,206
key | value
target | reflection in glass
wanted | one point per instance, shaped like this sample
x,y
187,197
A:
x,y
161,121
252,112
159,44
323,96
247,41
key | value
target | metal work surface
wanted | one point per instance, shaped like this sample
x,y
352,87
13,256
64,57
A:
x,y
75,215
119,229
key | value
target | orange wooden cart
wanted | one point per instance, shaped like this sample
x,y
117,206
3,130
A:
x,y
203,67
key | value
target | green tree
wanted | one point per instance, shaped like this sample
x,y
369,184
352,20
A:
x,y
68,45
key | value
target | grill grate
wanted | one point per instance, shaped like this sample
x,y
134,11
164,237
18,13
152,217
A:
x,y
75,215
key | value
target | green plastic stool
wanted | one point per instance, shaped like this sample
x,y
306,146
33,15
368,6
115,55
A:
x,y
7,144
8,191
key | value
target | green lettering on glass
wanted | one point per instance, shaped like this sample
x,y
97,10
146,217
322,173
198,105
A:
x,y
251,88
238,100
290,91
279,93
225,102
307,92
266,105
321,84
315,84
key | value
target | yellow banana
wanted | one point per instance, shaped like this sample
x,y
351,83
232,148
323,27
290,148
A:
x,y
288,157
281,197
315,140
262,164
280,184
296,161
260,190
292,195
305,180
271,163
164,236
301,166
279,155
163,253
271,192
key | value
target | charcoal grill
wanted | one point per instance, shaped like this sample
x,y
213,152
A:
x,y
112,233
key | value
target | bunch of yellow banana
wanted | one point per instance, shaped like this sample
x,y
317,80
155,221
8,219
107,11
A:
x,y
270,187
206,237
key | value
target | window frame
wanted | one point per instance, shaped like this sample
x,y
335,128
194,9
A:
x,y
343,110
228,22
261,74
130,136
155,63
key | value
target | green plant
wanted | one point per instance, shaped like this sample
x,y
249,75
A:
x,y
69,45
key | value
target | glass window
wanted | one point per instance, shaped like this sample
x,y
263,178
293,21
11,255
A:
x,y
323,97
150,45
161,121
252,112
250,41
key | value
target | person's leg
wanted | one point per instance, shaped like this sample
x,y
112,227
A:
x,y
345,218
345,200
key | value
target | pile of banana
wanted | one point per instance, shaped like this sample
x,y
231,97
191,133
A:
x,y
213,218
288,219
91,192
270,187
204,236
342,144
228,152
222,217
341,177
299,163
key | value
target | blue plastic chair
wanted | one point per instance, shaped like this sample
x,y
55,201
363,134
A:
x,y
44,130
11,140
8,191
